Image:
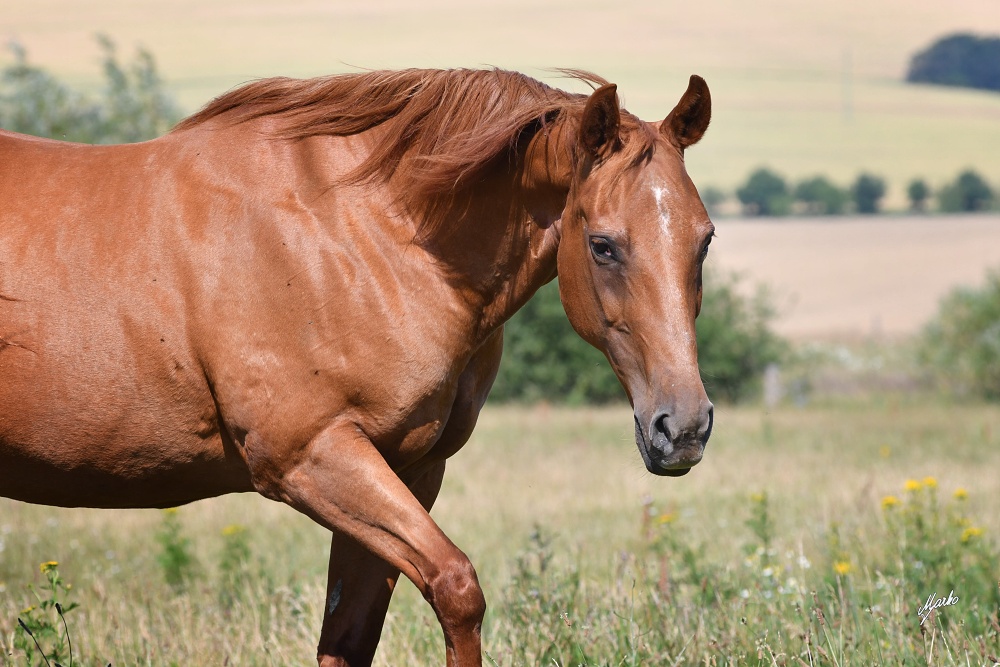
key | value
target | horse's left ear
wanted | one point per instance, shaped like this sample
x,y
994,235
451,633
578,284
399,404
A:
x,y
600,121
686,124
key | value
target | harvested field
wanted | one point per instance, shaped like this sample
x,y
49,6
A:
x,y
858,276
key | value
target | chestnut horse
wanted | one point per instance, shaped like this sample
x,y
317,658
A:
x,y
301,291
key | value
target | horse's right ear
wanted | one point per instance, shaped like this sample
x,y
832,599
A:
x,y
600,122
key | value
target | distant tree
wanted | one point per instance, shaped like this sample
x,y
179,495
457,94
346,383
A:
x,y
867,191
133,107
919,193
821,196
969,192
959,60
32,101
765,193
712,197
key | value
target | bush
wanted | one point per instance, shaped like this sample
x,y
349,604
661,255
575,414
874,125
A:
x,y
544,359
820,196
867,191
735,340
765,193
961,345
969,192
134,105
959,60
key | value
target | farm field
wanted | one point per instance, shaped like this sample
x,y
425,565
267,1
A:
x,y
805,89
857,277
806,536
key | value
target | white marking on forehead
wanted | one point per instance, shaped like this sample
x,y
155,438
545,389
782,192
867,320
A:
x,y
660,193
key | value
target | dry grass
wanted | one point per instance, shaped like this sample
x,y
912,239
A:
x,y
575,472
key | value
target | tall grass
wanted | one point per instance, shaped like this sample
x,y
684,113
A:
x,y
807,536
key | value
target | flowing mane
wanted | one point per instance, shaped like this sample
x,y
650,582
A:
x,y
449,124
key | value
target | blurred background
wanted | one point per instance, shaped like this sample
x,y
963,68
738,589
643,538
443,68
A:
x,y
850,338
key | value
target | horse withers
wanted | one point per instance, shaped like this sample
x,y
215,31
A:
x,y
301,291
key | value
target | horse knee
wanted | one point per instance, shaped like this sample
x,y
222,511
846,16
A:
x,y
457,597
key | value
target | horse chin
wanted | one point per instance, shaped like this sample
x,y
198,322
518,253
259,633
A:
x,y
661,471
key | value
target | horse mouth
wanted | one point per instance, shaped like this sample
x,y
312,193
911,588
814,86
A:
x,y
676,462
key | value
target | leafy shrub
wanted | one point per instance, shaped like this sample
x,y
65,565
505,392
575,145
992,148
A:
x,y
134,105
959,60
765,193
544,359
867,191
735,340
968,193
961,345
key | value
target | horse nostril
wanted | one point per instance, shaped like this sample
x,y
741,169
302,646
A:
x,y
708,423
661,428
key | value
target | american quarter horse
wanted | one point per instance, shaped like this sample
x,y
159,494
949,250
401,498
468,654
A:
x,y
301,291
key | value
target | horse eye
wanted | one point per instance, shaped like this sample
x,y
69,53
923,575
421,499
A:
x,y
602,249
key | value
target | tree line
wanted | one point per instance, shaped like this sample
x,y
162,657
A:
x,y
767,193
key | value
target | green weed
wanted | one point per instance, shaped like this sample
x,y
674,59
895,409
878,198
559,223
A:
x,y
176,557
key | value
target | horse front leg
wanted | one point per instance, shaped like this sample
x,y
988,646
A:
x,y
343,483
359,588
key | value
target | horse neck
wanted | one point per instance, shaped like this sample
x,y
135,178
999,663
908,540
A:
x,y
497,254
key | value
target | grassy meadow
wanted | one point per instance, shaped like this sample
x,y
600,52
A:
x,y
808,535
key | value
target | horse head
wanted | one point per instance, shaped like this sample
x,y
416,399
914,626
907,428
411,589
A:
x,y
633,235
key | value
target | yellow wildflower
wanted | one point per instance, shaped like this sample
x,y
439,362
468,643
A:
x,y
48,565
889,502
961,494
170,511
930,482
233,529
28,610
758,497
912,485
842,567
884,451
970,532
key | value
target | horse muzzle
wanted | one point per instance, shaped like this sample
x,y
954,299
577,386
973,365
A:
x,y
671,445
